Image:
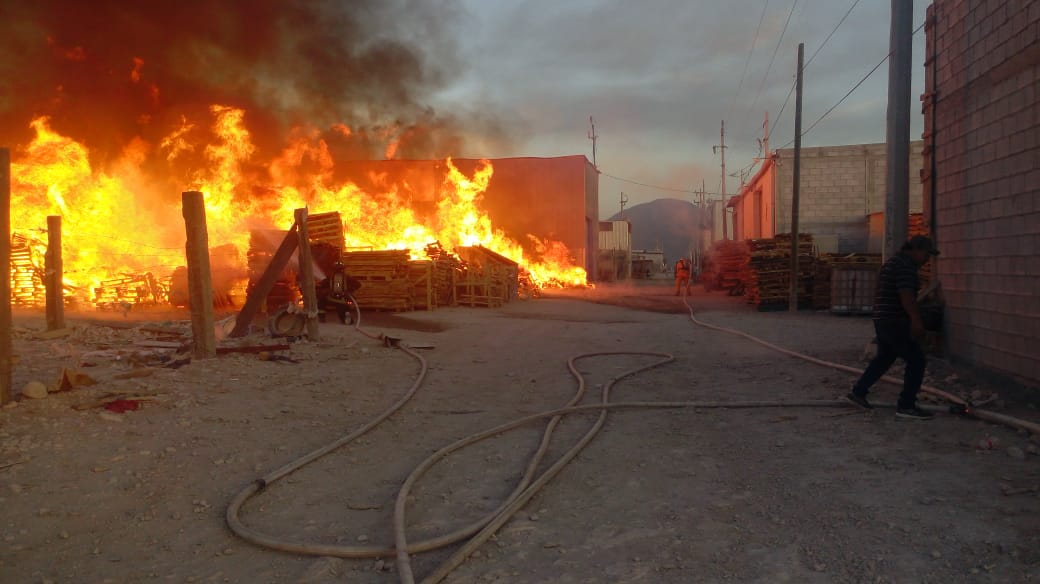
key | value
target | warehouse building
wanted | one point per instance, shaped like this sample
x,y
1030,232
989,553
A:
x,y
549,198
841,187
982,187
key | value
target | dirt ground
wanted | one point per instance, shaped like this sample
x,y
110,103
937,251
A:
x,y
671,496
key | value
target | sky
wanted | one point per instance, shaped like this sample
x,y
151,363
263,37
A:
x,y
659,76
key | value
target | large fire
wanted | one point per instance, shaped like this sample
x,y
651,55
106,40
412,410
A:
x,y
115,223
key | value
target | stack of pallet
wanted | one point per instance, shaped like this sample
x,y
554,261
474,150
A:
x,y
487,278
725,265
384,277
827,264
326,228
767,275
27,287
446,270
420,273
128,289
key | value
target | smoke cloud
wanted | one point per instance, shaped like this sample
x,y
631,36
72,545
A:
x,y
108,72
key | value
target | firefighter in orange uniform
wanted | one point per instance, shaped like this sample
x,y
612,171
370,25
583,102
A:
x,y
683,270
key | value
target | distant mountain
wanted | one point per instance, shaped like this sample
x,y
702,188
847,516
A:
x,y
670,223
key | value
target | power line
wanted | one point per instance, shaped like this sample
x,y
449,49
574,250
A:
x,y
776,120
747,61
773,58
658,187
834,30
846,96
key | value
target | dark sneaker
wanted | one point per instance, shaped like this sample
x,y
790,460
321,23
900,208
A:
x,y
914,413
859,401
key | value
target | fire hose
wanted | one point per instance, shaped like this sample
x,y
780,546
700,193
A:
x,y
531,482
961,406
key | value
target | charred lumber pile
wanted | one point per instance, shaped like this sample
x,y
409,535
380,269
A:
x,y
141,289
27,287
385,279
487,278
768,271
725,266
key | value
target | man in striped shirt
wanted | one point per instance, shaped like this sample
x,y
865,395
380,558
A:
x,y
898,325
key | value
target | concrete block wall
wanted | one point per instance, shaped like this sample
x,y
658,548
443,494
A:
x,y
841,185
987,158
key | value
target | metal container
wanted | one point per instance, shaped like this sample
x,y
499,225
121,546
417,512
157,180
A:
x,y
615,236
853,290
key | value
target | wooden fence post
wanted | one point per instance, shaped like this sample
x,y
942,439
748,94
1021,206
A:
x,y
55,280
6,350
200,287
310,296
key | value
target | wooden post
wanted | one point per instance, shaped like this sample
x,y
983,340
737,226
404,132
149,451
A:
x,y
200,288
258,293
310,295
6,352
55,280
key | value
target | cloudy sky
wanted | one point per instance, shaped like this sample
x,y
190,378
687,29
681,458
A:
x,y
660,75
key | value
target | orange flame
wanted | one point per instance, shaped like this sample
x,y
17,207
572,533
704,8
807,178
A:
x,y
115,224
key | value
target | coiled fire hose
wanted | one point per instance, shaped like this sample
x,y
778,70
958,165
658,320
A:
x,y
530,483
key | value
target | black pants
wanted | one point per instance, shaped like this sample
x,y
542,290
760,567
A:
x,y
895,341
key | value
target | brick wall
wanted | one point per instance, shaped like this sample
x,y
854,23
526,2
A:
x,y
841,185
986,55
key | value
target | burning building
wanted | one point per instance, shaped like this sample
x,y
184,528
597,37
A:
x,y
265,108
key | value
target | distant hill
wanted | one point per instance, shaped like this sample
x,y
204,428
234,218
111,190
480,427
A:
x,y
672,223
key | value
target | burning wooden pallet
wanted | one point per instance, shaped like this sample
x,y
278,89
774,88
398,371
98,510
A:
x,y
326,228
384,277
446,271
487,279
27,287
131,289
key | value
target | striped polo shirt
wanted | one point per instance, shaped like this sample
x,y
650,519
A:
x,y
898,273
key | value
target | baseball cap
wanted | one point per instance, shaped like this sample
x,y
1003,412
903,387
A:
x,y
923,243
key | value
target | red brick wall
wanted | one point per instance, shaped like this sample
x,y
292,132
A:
x,y
986,59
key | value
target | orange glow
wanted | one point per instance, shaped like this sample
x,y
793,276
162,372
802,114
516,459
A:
x,y
119,220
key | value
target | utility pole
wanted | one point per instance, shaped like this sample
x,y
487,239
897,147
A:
x,y
765,139
722,148
624,201
793,299
593,137
897,165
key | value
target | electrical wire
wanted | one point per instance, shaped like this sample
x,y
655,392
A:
x,y
846,96
834,30
747,61
776,120
773,58
658,187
